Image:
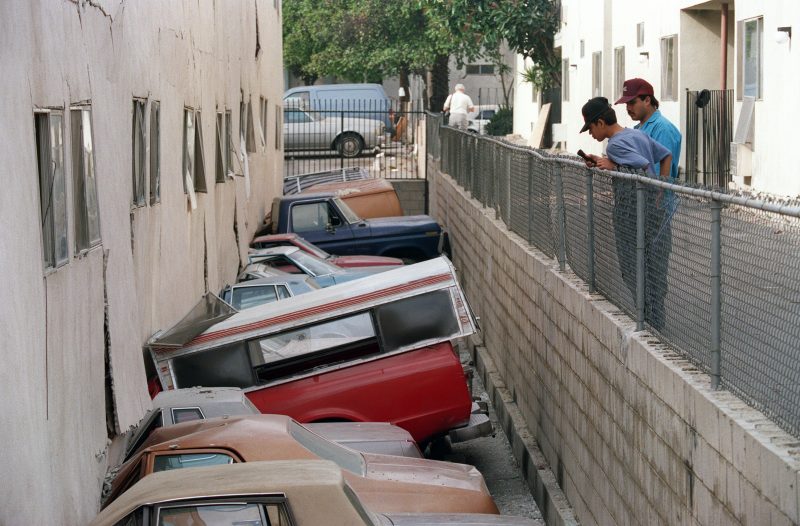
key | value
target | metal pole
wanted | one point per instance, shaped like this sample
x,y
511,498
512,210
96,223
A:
x,y
590,229
716,298
640,259
562,218
530,199
341,146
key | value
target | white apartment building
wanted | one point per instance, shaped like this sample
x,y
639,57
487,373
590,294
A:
x,y
676,45
142,145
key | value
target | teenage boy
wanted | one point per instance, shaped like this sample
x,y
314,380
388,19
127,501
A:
x,y
629,148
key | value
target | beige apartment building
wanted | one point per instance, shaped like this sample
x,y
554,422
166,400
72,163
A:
x,y
141,148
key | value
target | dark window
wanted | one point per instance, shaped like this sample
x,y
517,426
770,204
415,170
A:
x,y
52,187
310,217
193,158
138,154
172,461
221,159
221,367
155,152
283,292
424,317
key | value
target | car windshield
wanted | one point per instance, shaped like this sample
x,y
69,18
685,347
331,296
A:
x,y
349,215
344,457
315,266
311,249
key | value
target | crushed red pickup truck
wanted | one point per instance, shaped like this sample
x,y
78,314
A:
x,y
374,349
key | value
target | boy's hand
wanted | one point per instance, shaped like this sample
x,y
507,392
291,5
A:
x,y
604,163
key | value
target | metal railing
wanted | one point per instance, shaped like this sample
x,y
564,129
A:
x,y
378,136
715,275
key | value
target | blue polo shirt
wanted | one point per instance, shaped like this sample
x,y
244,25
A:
x,y
666,134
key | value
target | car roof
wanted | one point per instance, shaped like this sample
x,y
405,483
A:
x,y
314,488
197,396
272,251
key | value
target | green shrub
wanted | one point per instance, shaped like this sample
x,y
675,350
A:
x,y
502,123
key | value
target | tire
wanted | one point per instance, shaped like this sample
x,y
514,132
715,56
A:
x,y
350,145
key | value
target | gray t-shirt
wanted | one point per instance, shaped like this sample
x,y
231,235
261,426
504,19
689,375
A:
x,y
635,149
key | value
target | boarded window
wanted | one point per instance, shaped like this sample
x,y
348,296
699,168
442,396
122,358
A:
x,y
138,142
669,68
87,212
52,186
155,152
597,74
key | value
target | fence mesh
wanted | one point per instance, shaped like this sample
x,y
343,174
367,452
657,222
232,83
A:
x,y
760,267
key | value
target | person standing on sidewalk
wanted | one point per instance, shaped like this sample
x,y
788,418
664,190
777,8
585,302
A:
x,y
626,148
642,106
459,105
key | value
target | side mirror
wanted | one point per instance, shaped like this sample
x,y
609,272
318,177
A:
x,y
335,221
329,228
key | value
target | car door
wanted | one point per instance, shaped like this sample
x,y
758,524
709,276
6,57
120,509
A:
x,y
322,225
300,131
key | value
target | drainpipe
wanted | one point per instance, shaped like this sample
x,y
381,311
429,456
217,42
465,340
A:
x,y
723,31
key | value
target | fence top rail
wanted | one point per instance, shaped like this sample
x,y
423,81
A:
x,y
775,206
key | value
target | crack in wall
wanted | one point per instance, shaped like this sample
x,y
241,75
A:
x,y
112,421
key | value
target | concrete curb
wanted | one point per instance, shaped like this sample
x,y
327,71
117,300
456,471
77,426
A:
x,y
551,500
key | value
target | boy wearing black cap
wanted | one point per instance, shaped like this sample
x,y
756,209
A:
x,y
631,149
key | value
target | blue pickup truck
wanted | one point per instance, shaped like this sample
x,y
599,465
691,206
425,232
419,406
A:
x,y
327,221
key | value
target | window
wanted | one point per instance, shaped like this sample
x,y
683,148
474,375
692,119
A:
x,y
186,414
138,153
619,70
87,216
49,128
480,69
750,51
640,34
194,176
310,217
155,152
267,513
264,116
246,133
418,318
278,127
220,166
297,116
565,80
583,48
669,68
597,73
189,460
229,142
246,297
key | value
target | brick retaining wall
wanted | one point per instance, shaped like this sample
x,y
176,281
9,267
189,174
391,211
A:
x,y
632,431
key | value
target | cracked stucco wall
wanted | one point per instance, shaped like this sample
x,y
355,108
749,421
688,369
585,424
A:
x,y
53,53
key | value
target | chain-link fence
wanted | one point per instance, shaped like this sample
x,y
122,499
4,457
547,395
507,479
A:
x,y
715,275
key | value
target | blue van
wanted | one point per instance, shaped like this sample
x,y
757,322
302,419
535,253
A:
x,y
367,101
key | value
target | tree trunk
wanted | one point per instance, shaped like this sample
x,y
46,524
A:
x,y
404,85
440,82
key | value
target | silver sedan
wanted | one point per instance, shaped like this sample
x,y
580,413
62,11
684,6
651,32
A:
x,y
329,131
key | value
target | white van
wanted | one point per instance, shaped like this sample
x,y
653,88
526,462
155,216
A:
x,y
366,101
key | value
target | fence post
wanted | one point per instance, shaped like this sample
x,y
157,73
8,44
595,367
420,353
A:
x,y
341,148
640,258
530,198
590,229
562,218
716,298
507,194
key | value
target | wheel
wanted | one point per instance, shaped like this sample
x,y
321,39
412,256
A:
x,y
350,145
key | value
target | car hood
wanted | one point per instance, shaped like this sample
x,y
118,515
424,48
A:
x,y
462,519
424,471
403,224
364,261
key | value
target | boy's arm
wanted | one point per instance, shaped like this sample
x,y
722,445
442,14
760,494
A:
x,y
666,166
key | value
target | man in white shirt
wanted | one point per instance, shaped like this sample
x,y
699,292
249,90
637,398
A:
x,y
458,104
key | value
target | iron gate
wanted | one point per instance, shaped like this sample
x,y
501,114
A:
x,y
709,125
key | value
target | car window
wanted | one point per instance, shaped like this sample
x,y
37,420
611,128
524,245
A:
x,y
189,460
213,515
250,296
186,414
418,318
283,292
344,457
318,267
313,338
487,114
309,217
133,519
311,249
350,216
296,116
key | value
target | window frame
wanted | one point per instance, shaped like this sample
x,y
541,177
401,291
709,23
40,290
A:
x,y
139,153
619,70
264,114
220,157
597,74
741,58
640,34
193,154
53,213
154,140
669,68
86,207
565,79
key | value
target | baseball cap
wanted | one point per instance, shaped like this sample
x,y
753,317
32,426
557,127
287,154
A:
x,y
632,88
592,110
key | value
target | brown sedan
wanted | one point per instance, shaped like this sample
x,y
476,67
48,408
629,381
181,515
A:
x,y
384,483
